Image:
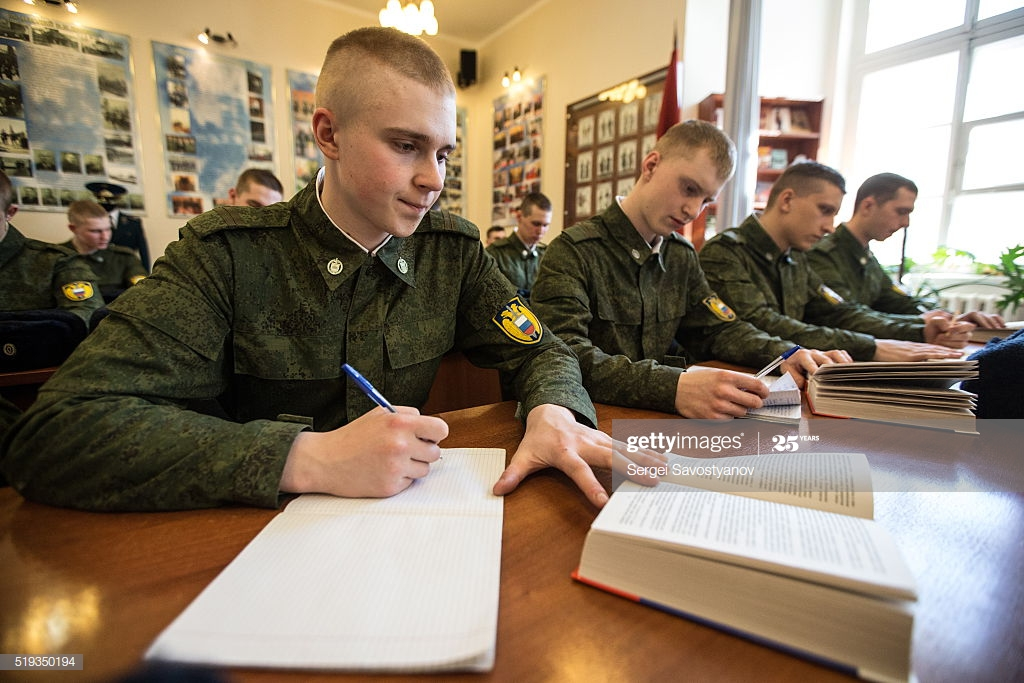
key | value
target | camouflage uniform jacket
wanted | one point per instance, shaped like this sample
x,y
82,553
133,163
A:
x,y
779,292
630,313
259,308
518,263
38,275
115,267
856,275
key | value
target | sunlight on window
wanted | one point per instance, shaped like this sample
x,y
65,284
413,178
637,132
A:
x,y
983,223
994,154
989,93
893,23
990,8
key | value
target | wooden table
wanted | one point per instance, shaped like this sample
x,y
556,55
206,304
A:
x,y
105,585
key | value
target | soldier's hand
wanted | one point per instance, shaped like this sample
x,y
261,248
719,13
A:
x,y
897,350
947,332
554,438
375,456
717,394
805,362
989,321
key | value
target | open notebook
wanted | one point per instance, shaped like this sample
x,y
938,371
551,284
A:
x,y
408,583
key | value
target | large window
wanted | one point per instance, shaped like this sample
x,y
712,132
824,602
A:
x,y
936,96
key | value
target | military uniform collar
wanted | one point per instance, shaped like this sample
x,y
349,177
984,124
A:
x,y
847,240
337,256
761,243
625,233
517,243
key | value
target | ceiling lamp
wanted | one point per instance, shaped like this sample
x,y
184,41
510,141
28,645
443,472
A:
x,y
70,6
227,39
412,20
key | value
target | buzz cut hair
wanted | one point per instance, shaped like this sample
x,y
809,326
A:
x,y
686,138
805,178
346,79
534,199
258,176
84,209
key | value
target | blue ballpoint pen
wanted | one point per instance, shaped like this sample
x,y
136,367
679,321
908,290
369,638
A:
x,y
777,362
367,388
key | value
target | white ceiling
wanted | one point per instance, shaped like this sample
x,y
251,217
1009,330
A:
x,y
465,21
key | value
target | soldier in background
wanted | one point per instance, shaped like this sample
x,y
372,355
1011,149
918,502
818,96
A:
x,y
627,293
760,268
519,254
38,275
117,268
256,187
127,230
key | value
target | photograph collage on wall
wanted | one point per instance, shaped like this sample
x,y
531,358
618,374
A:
x,y
47,69
454,190
607,135
518,144
216,117
308,157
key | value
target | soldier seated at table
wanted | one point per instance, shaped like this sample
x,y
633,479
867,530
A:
x,y
117,268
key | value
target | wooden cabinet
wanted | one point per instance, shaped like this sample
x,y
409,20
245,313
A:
x,y
790,130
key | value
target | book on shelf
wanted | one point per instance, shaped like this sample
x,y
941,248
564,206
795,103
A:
x,y
920,394
982,334
405,584
766,556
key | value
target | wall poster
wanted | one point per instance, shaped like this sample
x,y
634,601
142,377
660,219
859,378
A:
x,y
518,144
606,136
308,157
67,112
454,182
216,118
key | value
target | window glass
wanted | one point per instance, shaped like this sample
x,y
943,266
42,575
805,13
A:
x,y
990,8
983,223
994,153
989,93
894,23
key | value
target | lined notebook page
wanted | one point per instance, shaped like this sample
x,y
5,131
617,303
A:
x,y
407,583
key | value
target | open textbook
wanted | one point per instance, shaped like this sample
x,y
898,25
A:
x,y
407,583
983,334
785,553
916,393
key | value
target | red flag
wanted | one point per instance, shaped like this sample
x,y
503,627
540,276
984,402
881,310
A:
x,y
671,105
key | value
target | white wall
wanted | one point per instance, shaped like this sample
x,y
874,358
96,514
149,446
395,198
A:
x,y
580,46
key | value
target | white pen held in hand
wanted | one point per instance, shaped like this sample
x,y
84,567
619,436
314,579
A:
x,y
777,362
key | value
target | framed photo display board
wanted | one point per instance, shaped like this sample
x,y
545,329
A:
x,y
606,136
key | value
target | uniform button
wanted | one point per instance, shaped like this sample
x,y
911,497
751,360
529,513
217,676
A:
x,y
635,254
335,266
403,266
863,260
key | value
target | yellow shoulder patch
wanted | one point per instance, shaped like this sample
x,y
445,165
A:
x,y
78,291
135,279
518,322
899,288
719,308
830,295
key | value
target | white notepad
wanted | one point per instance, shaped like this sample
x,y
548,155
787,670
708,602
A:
x,y
408,583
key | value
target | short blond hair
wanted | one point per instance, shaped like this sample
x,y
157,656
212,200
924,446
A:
x,y
345,83
686,138
84,209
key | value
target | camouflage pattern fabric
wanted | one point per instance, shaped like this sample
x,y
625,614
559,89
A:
x,y
254,311
37,275
631,315
115,267
517,263
779,293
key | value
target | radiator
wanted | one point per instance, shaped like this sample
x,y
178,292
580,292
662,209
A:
x,y
962,302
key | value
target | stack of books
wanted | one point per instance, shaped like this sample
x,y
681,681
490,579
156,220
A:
x,y
921,394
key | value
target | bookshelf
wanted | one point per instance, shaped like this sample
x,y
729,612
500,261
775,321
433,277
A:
x,y
789,130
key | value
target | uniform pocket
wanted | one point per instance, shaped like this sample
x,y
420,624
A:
x,y
282,357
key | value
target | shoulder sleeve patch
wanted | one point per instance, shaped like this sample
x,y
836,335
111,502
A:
x,y
78,291
830,295
719,308
518,322
900,288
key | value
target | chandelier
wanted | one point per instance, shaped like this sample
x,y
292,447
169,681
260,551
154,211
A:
x,y
412,19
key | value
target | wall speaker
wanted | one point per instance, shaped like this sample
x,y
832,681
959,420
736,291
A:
x,y
467,68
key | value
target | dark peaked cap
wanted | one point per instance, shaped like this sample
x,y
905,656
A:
x,y
105,190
